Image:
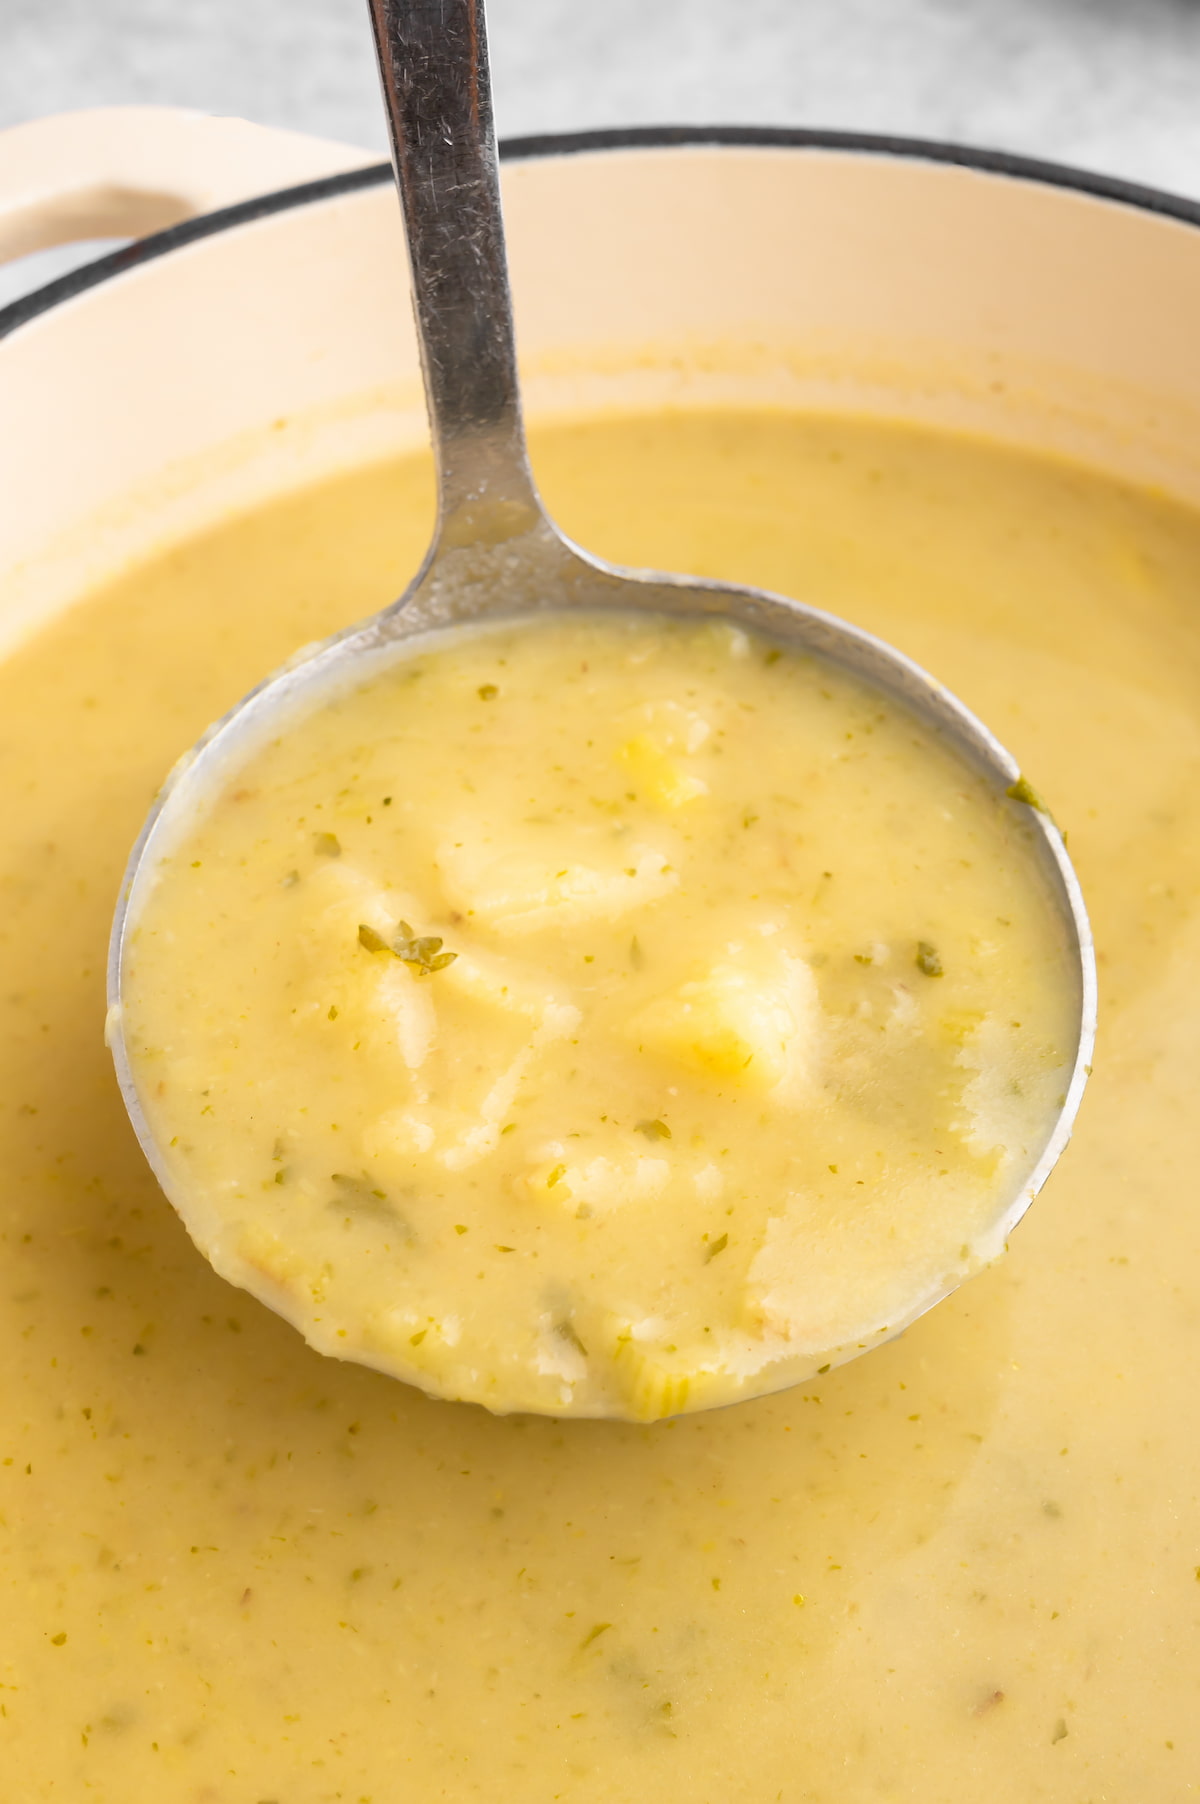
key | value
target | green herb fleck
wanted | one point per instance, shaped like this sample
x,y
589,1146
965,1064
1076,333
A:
x,y
488,692
821,1370
1023,791
460,1227
927,959
653,1130
422,952
566,1331
556,1176
594,1634
333,1014
718,1246
772,655
359,1196
327,845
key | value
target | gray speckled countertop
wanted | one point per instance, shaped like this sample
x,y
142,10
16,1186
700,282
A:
x,y
1109,84
1112,84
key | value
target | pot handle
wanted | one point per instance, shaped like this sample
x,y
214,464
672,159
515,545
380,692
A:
x,y
121,172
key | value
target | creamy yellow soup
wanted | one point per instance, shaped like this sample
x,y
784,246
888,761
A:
x,y
963,1567
735,1014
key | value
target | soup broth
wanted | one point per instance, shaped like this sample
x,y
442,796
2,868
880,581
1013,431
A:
x,y
964,1566
737,1015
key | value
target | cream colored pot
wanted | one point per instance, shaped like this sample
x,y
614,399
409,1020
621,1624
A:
x,y
242,350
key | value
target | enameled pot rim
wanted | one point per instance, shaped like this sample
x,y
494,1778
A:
x,y
649,137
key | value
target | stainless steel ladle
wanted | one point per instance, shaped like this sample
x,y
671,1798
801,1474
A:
x,y
496,554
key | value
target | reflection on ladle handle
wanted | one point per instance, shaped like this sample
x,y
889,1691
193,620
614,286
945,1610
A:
x,y
434,68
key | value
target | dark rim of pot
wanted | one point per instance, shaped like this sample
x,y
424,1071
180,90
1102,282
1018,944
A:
x,y
654,137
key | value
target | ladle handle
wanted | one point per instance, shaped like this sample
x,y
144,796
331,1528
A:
x,y
434,67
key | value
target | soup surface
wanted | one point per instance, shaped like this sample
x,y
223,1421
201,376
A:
x,y
962,1567
736,1014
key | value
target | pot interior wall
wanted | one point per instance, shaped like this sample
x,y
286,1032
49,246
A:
x,y
270,354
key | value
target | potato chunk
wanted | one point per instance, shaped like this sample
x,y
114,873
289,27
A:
x,y
656,756
536,885
596,1185
749,1019
375,995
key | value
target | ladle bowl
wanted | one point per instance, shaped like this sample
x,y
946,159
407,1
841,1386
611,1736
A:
x,y
496,554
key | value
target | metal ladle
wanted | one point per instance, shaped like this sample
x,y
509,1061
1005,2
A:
x,y
496,554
